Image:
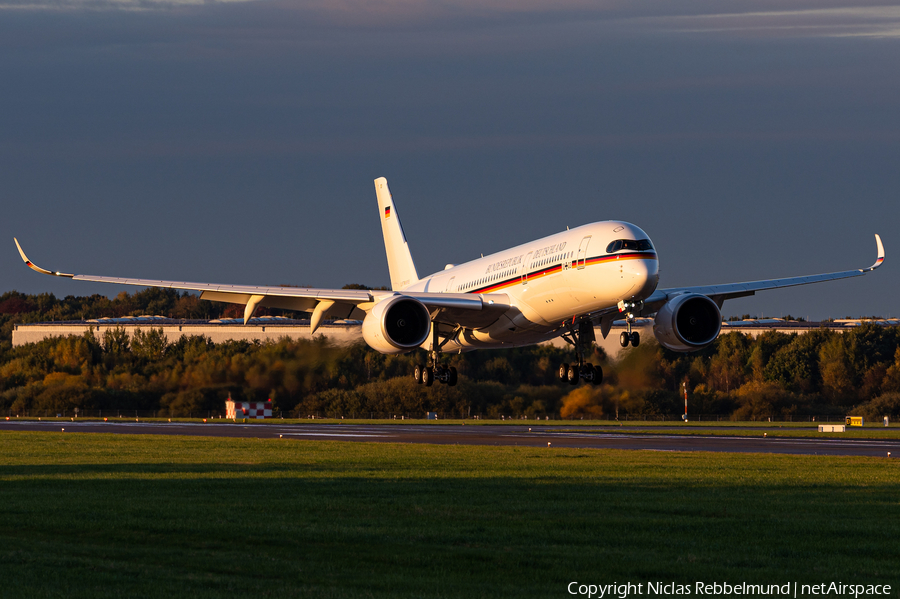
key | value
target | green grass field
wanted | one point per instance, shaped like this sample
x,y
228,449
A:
x,y
153,516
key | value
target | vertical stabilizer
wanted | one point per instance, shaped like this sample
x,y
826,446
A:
x,y
400,262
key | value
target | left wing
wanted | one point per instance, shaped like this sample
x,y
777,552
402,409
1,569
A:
x,y
336,303
720,293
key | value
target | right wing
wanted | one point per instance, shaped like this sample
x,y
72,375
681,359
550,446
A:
x,y
466,309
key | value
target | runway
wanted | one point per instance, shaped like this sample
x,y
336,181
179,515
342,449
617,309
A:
x,y
536,436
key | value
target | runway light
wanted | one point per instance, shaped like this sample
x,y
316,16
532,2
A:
x,y
63,430
529,429
548,443
105,419
204,420
765,434
889,454
279,436
170,420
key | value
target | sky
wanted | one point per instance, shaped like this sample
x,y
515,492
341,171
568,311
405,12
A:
x,y
237,141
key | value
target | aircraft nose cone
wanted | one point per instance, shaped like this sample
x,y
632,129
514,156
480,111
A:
x,y
645,274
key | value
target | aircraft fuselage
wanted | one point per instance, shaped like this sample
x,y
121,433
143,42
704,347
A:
x,y
551,280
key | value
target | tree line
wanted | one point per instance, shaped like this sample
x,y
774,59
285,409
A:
x,y
774,375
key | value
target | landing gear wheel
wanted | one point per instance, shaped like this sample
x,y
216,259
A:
x,y
573,375
592,374
588,372
419,373
624,338
452,377
428,377
564,372
635,339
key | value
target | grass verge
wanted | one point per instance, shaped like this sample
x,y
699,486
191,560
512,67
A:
x,y
155,516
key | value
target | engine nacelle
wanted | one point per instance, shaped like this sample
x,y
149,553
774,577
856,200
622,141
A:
x,y
687,323
397,325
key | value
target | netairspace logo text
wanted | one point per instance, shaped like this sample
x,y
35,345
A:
x,y
723,589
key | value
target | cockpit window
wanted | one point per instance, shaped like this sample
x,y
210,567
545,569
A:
x,y
634,245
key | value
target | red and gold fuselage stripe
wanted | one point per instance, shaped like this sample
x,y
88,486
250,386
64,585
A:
x,y
616,257
558,268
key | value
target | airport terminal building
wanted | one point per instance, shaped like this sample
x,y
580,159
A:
x,y
265,328
346,332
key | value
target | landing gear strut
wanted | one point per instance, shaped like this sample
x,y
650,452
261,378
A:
x,y
581,339
426,374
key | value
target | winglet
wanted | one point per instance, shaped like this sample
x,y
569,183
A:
x,y
880,260
34,266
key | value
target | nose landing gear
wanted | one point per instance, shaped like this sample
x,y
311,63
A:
x,y
582,371
629,336
634,338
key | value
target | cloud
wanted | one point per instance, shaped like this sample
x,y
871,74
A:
x,y
745,18
372,10
106,5
846,21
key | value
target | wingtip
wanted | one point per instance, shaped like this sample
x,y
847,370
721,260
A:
x,y
879,260
21,253
35,267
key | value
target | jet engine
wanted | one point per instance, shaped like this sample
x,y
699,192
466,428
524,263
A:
x,y
397,325
687,323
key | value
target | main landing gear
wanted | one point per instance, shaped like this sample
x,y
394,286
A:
x,y
581,339
427,374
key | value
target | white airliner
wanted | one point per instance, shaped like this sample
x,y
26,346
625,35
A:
x,y
561,285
